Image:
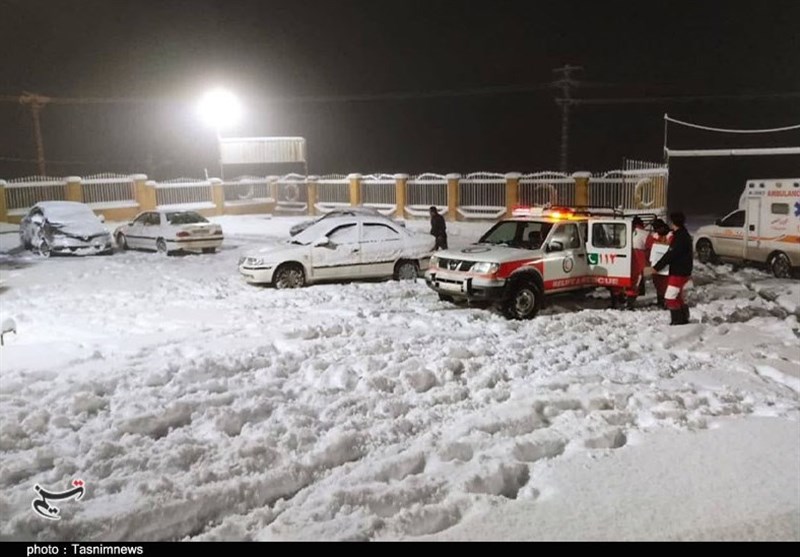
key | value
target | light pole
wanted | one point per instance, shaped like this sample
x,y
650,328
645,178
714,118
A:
x,y
219,108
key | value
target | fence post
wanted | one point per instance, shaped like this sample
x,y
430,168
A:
x,y
150,197
3,206
274,188
355,189
400,185
512,192
74,191
581,188
218,195
452,196
141,192
311,184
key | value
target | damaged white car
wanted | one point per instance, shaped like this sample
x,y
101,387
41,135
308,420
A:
x,y
64,227
340,248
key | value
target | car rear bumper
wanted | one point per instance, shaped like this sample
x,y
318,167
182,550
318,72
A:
x,y
194,244
462,286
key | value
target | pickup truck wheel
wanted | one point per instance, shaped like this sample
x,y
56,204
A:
x,y
524,302
446,298
780,265
705,252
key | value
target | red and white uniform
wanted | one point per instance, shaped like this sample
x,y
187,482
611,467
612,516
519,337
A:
x,y
640,257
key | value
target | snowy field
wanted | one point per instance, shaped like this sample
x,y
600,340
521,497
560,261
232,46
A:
x,y
197,407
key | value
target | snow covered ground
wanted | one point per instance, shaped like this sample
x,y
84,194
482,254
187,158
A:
x,y
196,407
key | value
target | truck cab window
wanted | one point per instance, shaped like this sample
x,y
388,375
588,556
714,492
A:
x,y
734,220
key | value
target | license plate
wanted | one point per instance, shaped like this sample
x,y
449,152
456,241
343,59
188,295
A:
x,y
450,286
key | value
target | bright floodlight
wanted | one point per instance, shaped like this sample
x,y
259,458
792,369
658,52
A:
x,y
219,108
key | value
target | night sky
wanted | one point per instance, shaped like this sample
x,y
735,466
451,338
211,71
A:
x,y
297,66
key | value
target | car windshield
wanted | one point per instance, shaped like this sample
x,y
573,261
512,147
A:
x,y
63,213
185,217
517,234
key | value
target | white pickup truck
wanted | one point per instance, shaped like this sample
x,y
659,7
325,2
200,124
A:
x,y
521,260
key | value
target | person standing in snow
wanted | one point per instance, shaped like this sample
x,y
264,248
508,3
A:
x,y
680,258
638,264
438,229
661,235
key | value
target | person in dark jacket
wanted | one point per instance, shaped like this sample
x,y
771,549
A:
x,y
680,258
438,229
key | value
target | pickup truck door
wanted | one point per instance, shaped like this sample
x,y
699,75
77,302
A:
x,y
609,251
565,266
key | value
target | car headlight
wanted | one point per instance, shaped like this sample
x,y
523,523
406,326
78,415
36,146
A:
x,y
485,268
434,261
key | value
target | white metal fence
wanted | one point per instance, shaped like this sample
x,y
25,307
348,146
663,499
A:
x,y
640,187
333,191
426,191
244,190
482,195
546,188
379,191
292,194
187,192
108,190
24,193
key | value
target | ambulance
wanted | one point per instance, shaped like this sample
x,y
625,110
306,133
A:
x,y
536,253
765,229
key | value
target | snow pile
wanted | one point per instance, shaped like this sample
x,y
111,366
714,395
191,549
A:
x,y
197,407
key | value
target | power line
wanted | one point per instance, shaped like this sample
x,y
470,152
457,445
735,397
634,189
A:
x,y
689,98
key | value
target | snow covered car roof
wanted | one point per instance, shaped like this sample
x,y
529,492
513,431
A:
x,y
340,211
321,227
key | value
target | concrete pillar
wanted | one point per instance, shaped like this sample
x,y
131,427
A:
x,y
151,199
355,189
400,185
581,188
452,196
74,191
3,206
140,192
311,182
274,189
512,192
218,196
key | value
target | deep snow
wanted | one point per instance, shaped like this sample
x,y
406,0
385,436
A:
x,y
195,406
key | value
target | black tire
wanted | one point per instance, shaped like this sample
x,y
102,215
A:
x,y
406,270
524,300
780,265
122,242
446,298
161,246
209,250
290,275
705,252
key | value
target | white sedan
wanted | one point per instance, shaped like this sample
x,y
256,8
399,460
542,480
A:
x,y
340,248
170,231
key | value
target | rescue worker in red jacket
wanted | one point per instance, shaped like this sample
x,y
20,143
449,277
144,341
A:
x,y
638,263
661,235
680,258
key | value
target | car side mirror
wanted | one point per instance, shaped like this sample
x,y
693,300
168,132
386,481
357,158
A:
x,y
718,222
555,245
102,217
323,242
